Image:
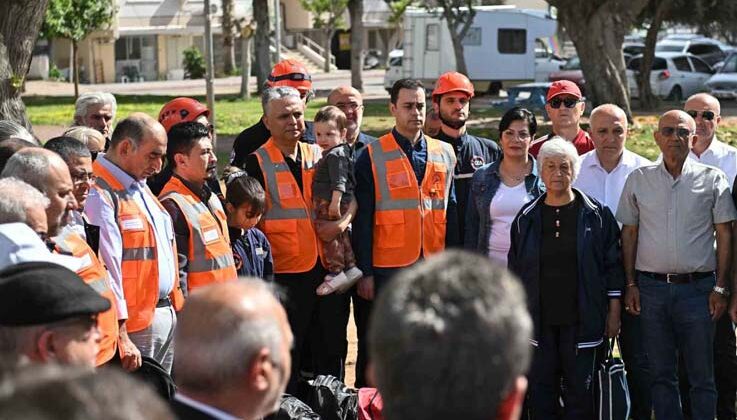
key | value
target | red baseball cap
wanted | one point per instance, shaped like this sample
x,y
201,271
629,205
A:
x,y
561,87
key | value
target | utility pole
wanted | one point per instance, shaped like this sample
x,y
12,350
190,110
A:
x,y
209,77
277,25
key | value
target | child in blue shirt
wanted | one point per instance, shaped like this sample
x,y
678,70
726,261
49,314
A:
x,y
245,203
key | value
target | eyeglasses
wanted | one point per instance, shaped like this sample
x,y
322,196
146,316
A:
x,y
680,132
352,106
568,102
79,178
707,115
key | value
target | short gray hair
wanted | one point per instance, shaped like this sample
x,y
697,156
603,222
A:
x,y
559,147
449,338
197,369
16,197
10,129
31,167
84,134
86,100
278,92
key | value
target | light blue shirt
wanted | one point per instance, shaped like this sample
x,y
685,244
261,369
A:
x,y
101,213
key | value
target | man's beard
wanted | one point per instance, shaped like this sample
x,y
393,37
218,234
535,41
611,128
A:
x,y
452,124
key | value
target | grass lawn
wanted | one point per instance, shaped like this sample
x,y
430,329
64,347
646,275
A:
x,y
233,115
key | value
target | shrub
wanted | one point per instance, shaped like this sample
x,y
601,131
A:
x,y
194,63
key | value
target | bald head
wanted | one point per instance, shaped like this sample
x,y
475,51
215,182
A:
x,y
349,100
608,129
138,146
704,101
676,115
47,172
675,136
706,112
607,111
253,358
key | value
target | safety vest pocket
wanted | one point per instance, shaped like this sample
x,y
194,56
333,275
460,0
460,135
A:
x,y
390,229
282,235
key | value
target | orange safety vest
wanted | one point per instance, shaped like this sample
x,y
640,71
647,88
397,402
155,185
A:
x,y
93,273
209,259
139,266
409,219
287,222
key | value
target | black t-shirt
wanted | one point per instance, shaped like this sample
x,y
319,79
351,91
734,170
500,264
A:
x,y
253,137
559,264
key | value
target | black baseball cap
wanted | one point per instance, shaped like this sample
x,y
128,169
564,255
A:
x,y
35,293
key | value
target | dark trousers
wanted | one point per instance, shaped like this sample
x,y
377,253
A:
x,y
725,371
638,370
314,319
558,360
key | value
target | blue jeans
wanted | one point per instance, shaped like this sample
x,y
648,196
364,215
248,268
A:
x,y
675,319
638,368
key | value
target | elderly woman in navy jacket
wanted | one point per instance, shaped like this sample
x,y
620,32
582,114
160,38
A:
x,y
500,189
565,249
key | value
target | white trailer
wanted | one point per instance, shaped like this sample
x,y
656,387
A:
x,y
503,46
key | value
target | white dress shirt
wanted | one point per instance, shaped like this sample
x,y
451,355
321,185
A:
x,y
605,186
719,155
215,413
101,214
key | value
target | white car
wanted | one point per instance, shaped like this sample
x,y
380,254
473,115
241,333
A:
x,y
707,49
674,76
723,85
393,69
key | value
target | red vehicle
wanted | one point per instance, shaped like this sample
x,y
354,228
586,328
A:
x,y
571,70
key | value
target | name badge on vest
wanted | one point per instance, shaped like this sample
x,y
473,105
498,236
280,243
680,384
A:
x,y
286,191
260,251
134,223
210,235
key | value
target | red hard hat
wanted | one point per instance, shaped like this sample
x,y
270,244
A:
x,y
453,82
290,73
181,110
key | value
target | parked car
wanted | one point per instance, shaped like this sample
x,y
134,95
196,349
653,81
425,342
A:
x,y
674,76
631,49
709,50
724,83
571,70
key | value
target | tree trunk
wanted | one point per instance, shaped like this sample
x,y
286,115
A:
x,y
263,55
326,46
597,30
648,101
458,51
228,37
355,9
20,22
75,68
246,41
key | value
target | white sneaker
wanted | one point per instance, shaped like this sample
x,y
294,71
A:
x,y
332,284
353,274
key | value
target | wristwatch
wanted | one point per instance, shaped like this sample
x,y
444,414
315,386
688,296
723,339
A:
x,y
721,290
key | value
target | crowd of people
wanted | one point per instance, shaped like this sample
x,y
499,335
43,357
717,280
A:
x,y
122,246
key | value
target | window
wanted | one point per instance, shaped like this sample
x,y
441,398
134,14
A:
x,y
658,64
701,49
473,36
681,64
668,48
432,37
700,66
512,41
730,66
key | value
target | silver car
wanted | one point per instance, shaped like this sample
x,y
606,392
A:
x,y
724,84
673,76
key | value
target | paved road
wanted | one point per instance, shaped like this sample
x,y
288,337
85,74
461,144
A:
x,y
324,82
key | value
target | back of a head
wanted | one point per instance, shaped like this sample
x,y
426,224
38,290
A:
x,y
84,134
46,392
242,309
68,148
32,165
16,197
11,146
449,338
9,128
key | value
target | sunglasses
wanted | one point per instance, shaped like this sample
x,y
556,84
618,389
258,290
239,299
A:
x,y
680,132
568,102
707,115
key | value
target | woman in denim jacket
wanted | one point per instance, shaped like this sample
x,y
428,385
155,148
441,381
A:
x,y
500,189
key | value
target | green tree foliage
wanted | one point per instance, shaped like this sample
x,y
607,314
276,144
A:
x,y
74,20
194,63
327,16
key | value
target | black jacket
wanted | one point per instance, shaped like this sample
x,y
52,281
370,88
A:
x,y
600,272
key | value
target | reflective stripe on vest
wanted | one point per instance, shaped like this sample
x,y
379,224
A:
x,y
409,218
209,258
287,221
139,267
94,274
